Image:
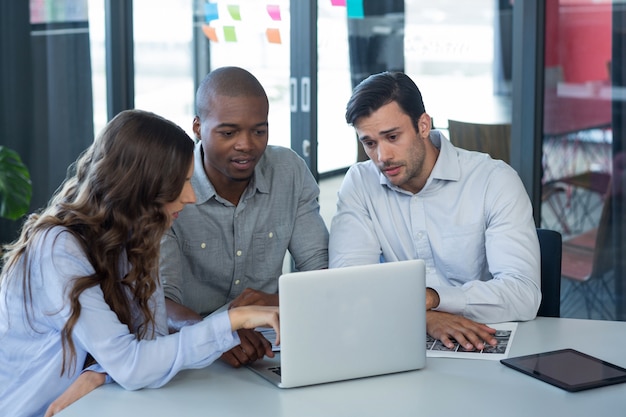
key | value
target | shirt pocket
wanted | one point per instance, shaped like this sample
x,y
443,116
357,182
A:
x,y
463,256
206,259
268,251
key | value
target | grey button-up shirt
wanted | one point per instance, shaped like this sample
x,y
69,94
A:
x,y
215,249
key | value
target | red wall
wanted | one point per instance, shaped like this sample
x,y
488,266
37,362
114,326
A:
x,y
578,38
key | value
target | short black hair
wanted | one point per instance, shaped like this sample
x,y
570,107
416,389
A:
x,y
383,88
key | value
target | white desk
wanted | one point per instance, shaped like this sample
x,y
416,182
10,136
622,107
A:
x,y
446,387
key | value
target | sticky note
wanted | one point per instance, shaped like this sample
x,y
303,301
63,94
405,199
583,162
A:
x,y
273,35
229,34
355,9
210,12
274,11
234,11
209,32
338,2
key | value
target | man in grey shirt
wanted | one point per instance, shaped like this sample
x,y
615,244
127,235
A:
x,y
253,203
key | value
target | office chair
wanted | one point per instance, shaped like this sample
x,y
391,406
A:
x,y
550,247
579,196
494,139
588,260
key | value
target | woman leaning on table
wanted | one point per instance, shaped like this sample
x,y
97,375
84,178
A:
x,y
81,281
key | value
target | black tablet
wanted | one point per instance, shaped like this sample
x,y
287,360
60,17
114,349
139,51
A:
x,y
568,369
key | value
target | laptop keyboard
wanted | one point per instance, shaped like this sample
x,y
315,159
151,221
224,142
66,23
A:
x,y
270,334
502,336
275,369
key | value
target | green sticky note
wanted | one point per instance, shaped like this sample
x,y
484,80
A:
x,y
229,34
234,11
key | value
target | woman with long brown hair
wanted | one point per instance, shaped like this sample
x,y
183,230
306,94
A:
x,y
81,282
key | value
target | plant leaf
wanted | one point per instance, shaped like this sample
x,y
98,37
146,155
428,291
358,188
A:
x,y
15,185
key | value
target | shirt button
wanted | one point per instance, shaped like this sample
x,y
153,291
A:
x,y
271,235
239,253
203,245
237,282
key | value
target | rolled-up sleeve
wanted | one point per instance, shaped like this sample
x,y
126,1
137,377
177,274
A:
x,y
309,241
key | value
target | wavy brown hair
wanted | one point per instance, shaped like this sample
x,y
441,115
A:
x,y
113,203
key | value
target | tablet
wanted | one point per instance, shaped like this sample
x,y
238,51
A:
x,y
568,369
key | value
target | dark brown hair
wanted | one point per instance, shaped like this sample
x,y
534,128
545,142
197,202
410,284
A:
x,y
383,88
113,203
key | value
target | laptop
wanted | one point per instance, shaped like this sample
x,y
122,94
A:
x,y
346,323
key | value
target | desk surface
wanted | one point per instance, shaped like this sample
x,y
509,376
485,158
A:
x,y
445,387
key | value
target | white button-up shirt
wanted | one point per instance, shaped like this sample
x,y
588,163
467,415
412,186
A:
x,y
472,224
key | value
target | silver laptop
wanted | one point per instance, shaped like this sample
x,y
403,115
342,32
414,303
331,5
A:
x,y
347,323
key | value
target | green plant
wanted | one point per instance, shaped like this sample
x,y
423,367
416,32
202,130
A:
x,y
15,185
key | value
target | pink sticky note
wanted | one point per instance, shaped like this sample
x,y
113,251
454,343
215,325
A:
x,y
338,2
274,11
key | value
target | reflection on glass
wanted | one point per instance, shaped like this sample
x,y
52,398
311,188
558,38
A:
x,y
582,142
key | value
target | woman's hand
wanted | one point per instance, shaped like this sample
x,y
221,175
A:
x,y
251,317
84,384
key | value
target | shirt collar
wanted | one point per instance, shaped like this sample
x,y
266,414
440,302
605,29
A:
x,y
447,166
204,189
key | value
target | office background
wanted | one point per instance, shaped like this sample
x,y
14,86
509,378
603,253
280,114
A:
x,y
550,71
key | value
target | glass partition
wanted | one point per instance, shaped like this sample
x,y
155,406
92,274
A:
x,y
252,34
453,51
163,50
583,132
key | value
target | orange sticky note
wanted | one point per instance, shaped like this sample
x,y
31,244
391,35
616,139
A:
x,y
274,11
209,32
273,35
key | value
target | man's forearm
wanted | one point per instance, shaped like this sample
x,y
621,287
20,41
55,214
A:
x,y
432,299
179,316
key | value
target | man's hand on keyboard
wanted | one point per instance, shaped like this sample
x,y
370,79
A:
x,y
469,334
253,346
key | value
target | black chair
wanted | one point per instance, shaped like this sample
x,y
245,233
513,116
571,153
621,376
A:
x,y
550,244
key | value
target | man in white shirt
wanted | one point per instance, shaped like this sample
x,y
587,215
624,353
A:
x,y
419,197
